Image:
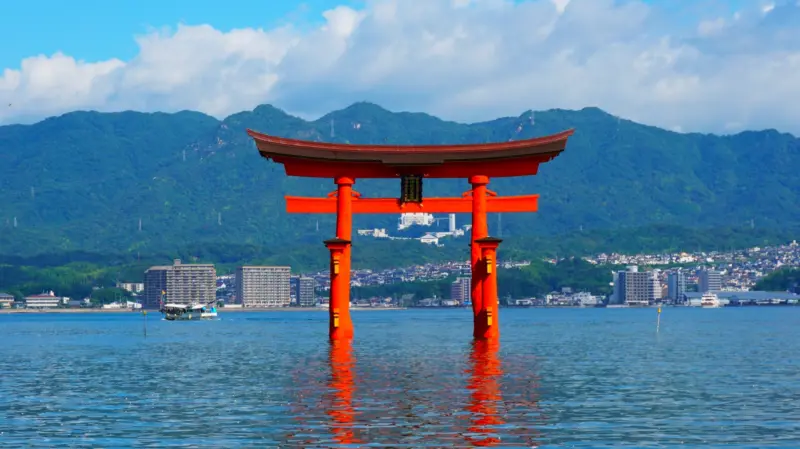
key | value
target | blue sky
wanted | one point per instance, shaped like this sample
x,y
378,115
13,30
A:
x,y
102,29
685,65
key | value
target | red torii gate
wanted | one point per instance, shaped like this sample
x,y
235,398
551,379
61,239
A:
x,y
477,163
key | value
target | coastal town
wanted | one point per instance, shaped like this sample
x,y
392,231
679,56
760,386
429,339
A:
x,y
679,278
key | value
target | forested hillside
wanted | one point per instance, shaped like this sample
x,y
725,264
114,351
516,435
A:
x,y
85,181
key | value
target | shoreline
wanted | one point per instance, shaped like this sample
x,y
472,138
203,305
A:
x,y
219,310
352,309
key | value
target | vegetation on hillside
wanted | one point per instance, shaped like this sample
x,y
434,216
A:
x,y
74,274
136,185
786,279
537,279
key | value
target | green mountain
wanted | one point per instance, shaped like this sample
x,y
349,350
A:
x,y
85,181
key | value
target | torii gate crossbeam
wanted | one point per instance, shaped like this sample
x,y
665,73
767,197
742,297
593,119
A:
x,y
477,163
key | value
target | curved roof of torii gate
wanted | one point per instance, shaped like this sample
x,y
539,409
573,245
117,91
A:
x,y
330,160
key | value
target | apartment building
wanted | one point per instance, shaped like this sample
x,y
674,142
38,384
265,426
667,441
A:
x,y
710,281
460,289
263,286
304,289
636,288
180,284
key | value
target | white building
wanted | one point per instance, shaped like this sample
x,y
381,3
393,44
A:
x,y
6,301
585,299
637,288
378,233
44,301
415,218
133,287
263,286
429,239
180,283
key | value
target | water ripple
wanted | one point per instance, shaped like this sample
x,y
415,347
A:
x,y
559,378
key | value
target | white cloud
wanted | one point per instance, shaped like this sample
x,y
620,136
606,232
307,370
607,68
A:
x,y
561,5
711,27
459,59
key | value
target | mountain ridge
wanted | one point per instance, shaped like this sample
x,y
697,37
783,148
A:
x,y
327,116
82,181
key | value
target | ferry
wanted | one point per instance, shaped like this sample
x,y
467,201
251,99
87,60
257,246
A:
x,y
709,301
186,312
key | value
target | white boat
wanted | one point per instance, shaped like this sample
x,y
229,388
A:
x,y
709,301
186,312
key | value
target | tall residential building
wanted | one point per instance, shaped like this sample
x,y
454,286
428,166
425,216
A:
x,y
304,291
460,290
634,287
676,285
155,282
263,286
710,281
181,284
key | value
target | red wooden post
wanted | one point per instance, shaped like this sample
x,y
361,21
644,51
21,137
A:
x,y
340,327
488,324
480,229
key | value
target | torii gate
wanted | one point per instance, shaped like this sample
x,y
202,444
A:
x,y
477,163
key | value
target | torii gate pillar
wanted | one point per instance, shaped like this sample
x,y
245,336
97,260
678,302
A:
x,y
340,325
480,229
486,323
477,163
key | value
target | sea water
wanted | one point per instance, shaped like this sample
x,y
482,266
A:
x,y
413,378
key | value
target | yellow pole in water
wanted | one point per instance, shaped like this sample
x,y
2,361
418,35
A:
x,y
144,315
658,321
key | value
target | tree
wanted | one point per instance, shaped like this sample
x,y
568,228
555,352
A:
x,y
109,295
786,279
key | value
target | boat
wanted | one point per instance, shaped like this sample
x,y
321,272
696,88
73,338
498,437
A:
x,y
187,312
709,301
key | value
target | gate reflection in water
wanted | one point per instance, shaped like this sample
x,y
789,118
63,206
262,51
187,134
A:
x,y
376,402
340,399
485,372
605,378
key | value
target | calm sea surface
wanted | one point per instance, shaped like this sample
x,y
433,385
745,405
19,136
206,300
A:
x,y
559,378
